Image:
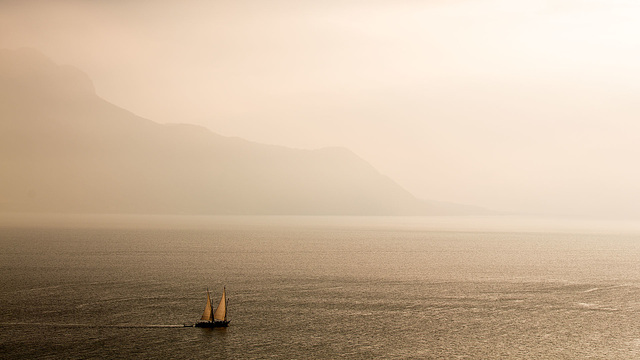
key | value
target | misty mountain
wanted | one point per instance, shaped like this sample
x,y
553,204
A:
x,y
65,149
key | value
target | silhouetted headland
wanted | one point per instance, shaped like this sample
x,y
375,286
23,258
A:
x,y
65,149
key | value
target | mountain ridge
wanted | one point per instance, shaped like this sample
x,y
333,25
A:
x,y
65,149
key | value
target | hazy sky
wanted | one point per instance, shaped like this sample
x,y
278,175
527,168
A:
x,y
520,105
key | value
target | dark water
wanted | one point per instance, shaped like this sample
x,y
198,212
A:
x,y
319,289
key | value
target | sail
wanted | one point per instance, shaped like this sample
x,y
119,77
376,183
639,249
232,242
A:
x,y
221,311
207,316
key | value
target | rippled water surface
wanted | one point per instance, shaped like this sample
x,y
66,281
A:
x,y
319,288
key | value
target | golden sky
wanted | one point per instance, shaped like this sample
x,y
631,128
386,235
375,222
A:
x,y
518,105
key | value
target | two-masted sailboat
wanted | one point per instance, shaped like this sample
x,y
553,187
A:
x,y
217,318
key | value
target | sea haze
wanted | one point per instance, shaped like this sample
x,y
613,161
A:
x,y
320,287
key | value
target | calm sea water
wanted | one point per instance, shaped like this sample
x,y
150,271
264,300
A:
x,y
320,288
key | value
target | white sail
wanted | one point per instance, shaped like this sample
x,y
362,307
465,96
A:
x,y
221,311
207,315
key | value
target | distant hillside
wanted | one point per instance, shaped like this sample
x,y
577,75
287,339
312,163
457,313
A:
x,y
64,149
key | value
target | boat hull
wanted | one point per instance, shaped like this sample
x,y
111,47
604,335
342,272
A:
x,y
212,324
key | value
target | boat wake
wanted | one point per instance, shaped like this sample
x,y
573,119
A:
x,y
125,326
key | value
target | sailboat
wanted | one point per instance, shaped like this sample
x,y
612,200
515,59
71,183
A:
x,y
217,318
